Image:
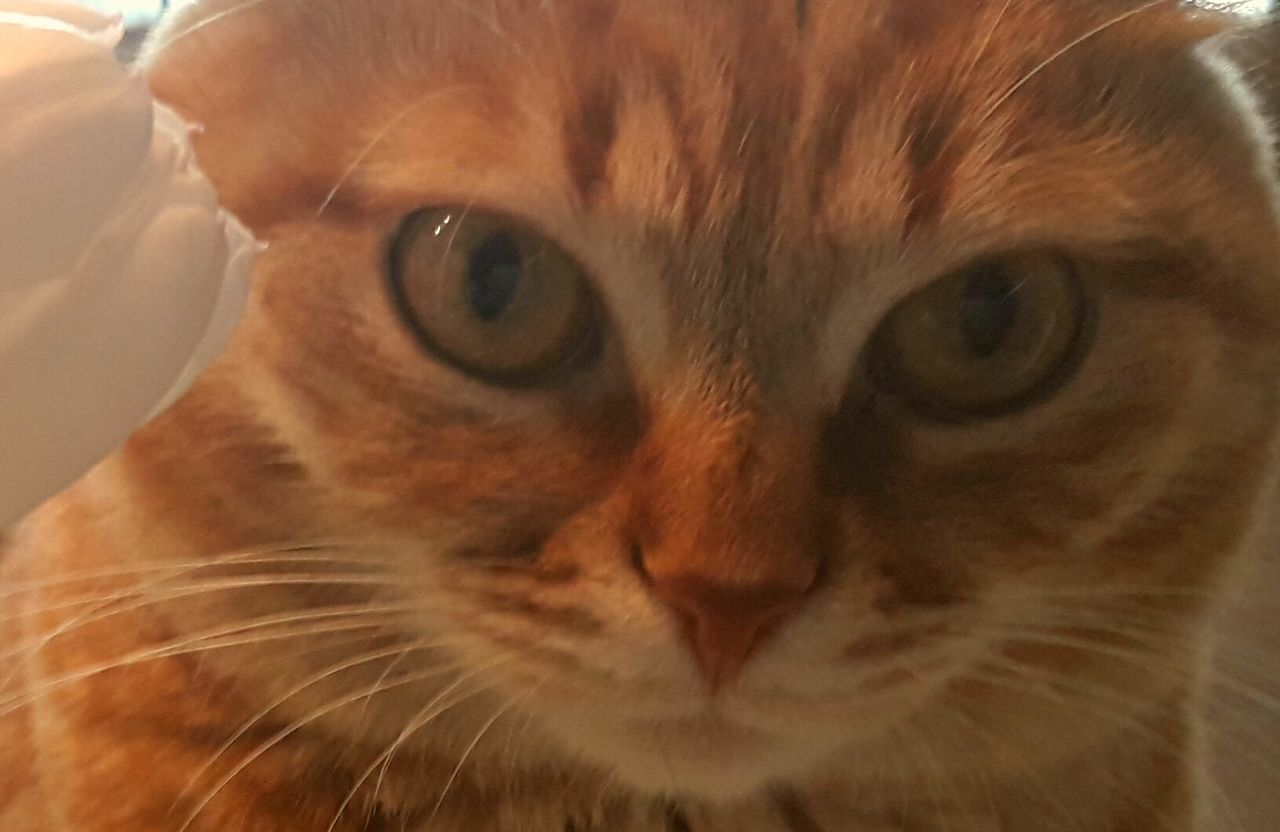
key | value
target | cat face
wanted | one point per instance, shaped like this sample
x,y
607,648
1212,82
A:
x,y
738,386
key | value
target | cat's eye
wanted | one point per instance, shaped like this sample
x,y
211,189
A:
x,y
492,297
984,341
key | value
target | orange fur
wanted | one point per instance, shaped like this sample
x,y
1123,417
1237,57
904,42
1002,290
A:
x,y
915,624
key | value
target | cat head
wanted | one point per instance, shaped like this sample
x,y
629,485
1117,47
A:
x,y
741,384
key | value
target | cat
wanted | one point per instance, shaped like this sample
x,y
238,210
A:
x,y
897,411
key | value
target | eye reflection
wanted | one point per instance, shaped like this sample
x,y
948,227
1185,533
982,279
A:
x,y
984,341
492,297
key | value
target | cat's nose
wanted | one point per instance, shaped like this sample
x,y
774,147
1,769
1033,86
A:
x,y
729,526
724,624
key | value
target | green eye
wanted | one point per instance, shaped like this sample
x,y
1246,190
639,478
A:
x,y
492,297
987,340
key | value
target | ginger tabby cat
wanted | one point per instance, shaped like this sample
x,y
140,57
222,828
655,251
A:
x,y
656,416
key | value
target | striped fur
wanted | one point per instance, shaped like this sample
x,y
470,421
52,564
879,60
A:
x,y
1008,618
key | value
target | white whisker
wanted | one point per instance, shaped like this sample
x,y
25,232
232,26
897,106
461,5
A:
x,y
206,22
218,639
397,651
1083,701
466,754
378,138
1057,56
255,557
425,716
280,736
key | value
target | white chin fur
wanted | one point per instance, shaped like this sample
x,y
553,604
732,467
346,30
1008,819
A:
x,y
704,758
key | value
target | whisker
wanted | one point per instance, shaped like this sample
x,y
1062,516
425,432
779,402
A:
x,y
495,27
924,748
24,651
179,647
398,651
1037,781
254,557
984,43
379,138
280,736
1088,699
208,21
420,720
100,614
1175,636
965,74
514,741
466,754
216,585
1107,694
1101,593
1066,50
1149,658
104,609
66,626
391,666
331,645
1141,624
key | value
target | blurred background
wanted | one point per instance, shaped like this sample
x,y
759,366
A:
x,y
136,12
138,15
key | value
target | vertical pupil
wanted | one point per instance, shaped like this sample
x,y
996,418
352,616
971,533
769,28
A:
x,y
493,276
989,310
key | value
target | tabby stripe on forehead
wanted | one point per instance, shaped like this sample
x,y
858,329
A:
x,y
668,80
766,93
861,69
589,134
904,27
933,155
590,124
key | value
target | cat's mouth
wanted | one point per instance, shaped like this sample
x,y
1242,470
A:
x,y
716,731
706,755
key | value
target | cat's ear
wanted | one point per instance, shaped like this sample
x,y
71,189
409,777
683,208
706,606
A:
x,y
1266,39
1156,64
1197,21
1173,26
223,65
1256,50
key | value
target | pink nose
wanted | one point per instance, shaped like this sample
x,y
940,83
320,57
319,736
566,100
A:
x,y
728,526
725,624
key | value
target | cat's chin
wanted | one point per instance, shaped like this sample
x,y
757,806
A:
x,y
706,757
